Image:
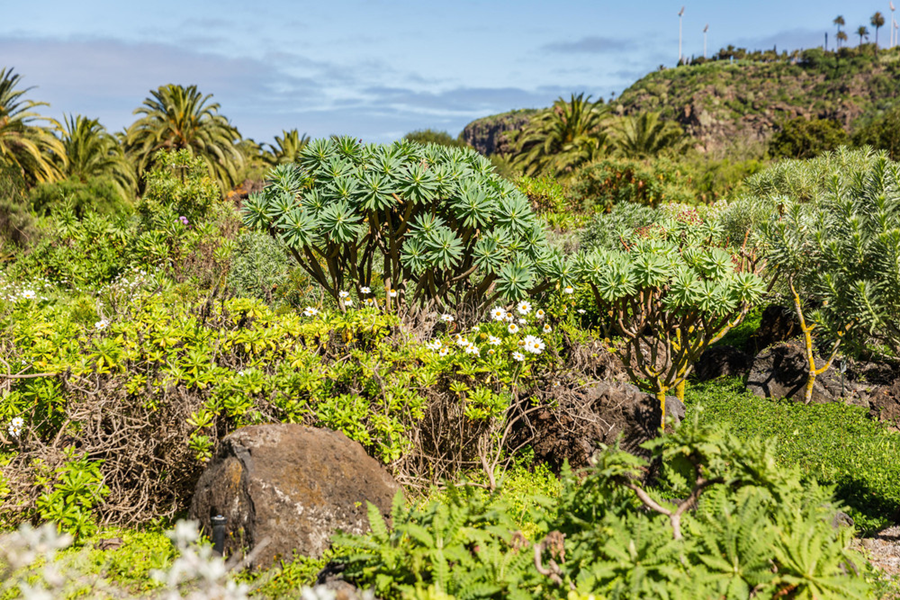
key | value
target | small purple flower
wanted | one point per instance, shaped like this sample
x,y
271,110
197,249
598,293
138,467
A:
x,y
183,219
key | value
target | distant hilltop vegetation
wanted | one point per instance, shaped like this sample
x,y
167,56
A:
x,y
741,97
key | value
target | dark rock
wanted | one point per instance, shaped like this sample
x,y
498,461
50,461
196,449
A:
x,y
291,486
781,371
778,324
884,404
721,361
574,419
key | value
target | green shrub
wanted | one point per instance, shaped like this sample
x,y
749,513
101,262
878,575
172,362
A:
x,y
436,221
97,194
613,181
611,230
178,191
260,264
70,493
807,138
882,133
841,252
431,136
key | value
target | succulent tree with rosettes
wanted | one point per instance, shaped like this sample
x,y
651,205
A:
x,y
440,226
670,295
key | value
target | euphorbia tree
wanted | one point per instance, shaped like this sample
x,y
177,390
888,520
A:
x,y
670,295
436,222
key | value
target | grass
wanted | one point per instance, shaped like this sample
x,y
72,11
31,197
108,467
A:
x,y
836,444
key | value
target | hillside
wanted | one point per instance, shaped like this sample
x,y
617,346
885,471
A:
x,y
725,102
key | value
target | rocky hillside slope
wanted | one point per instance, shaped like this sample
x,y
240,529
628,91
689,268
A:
x,y
722,103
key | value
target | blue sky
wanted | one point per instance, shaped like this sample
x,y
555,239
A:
x,y
377,68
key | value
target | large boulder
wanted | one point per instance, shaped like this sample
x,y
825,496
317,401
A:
x,y
573,418
291,487
781,371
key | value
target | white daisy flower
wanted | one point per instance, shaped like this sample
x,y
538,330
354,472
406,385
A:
x,y
365,290
392,293
369,301
534,344
512,328
444,351
518,356
447,318
460,340
522,321
498,314
348,302
508,318
343,294
28,294
547,328
472,349
309,311
524,307
539,314
476,328
15,426
493,340
581,311
101,324
434,345
568,289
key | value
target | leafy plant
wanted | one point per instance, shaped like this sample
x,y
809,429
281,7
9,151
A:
x,y
71,493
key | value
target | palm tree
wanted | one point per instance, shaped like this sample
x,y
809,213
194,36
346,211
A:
x,y
562,138
839,21
877,21
842,37
179,117
32,150
647,135
862,32
286,148
91,151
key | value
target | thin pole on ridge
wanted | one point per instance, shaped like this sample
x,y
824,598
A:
x,y
680,54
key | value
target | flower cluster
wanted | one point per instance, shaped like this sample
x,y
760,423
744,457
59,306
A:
x,y
487,339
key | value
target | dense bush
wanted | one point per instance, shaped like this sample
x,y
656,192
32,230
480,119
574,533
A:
x,y
613,181
99,195
882,133
612,230
430,136
433,224
841,252
807,138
